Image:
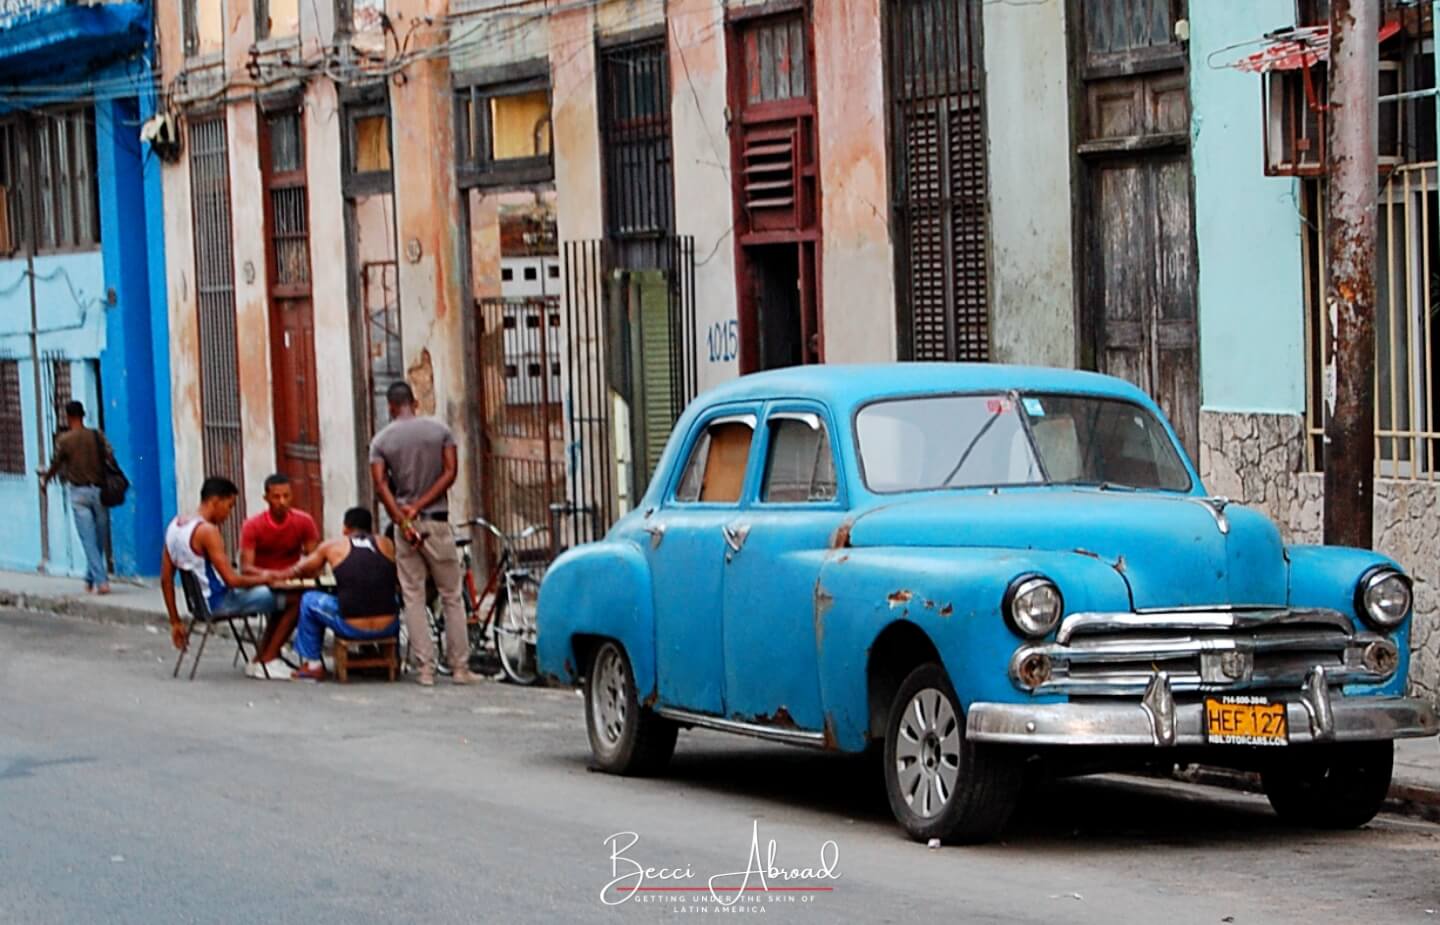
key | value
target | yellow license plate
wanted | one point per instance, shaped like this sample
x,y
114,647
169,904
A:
x,y
1245,721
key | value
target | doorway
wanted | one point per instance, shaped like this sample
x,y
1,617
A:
x,y
775,284
292,317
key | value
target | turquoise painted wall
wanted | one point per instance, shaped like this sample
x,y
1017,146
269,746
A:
x,y
1247,225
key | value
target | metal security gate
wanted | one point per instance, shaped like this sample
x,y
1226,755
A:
x,y
629,371
939,195
222,445
523,454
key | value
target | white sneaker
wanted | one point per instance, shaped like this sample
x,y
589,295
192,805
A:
x,y
274,670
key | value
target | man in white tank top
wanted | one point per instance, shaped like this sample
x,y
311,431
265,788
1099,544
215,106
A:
x,y
193,543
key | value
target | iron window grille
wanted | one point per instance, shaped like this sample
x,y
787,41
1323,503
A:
x,y
636,139
12,421
49,193
222,444
503,134
284,150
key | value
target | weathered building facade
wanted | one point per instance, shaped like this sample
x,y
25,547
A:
x,y
80,249
306,271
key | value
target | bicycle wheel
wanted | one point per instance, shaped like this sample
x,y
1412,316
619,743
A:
x,y
515,630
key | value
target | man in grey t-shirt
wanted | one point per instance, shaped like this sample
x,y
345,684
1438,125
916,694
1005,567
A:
x,y
413,464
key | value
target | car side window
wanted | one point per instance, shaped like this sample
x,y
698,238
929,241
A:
x,y
715,471
800,467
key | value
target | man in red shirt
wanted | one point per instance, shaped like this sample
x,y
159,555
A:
x,y
274,540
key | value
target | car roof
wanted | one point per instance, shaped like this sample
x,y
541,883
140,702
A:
x,y
844,386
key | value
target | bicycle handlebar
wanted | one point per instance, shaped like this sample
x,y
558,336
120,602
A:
x,y
495,531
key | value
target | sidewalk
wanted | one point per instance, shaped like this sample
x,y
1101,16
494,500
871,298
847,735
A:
x,y
126,603
1415,790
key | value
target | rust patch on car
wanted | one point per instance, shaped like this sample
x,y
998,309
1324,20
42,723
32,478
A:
x,y
840,539
1119,565
827,740
1086,552
650,698
900,597
824,600
947,610
780,719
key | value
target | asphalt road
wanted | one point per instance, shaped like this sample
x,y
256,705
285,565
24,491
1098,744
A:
x,y
128,797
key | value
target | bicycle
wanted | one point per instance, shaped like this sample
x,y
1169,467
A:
x,y
503,632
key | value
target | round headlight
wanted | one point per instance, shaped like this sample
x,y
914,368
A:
x,y
1033,605
1383,598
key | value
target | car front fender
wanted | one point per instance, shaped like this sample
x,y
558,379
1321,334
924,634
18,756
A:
x,y
597,590
1328,576
952,595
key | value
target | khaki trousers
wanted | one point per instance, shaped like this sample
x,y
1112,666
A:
x,y
438,558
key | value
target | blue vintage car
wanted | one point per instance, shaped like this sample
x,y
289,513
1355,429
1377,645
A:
x,y
976,568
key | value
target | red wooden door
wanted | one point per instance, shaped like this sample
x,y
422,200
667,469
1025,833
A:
x,y
297,420
292,318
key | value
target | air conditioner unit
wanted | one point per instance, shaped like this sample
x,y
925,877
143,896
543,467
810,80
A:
x,y
1294,105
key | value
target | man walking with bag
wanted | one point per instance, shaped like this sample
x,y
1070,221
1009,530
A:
x,y
413,464
82,457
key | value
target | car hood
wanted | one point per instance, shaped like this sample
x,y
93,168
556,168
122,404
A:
x,y
1171,549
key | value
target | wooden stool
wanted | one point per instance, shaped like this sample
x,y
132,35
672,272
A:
x,y
383,653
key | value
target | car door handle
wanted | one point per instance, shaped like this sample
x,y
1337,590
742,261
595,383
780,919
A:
x,y
657,533
735,535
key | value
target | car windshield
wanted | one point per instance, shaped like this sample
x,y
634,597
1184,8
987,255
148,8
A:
x,y
964,441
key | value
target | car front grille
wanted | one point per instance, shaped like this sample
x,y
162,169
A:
x,y
1202,650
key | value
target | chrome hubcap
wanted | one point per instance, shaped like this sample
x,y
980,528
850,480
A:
x,y
927,752
609,698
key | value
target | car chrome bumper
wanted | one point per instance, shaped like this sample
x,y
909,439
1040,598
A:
x,y
1315,715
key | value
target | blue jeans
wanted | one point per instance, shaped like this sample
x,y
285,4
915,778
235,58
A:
x,y
320,611
245,601
92,522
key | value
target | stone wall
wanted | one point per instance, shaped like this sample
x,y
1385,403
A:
x,y
1259,460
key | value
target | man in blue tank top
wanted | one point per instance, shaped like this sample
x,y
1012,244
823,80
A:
x,y
364,605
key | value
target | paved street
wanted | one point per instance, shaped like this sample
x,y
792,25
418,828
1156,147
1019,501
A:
x,y
128,797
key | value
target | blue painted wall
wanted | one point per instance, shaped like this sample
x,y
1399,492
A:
x,y
96,309
1247,225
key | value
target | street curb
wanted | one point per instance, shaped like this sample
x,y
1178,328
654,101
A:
x,y
1407,797
90,609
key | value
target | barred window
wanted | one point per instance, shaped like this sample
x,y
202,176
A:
x,y
62,143
12,422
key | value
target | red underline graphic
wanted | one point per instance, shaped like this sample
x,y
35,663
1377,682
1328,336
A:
x,y
720,889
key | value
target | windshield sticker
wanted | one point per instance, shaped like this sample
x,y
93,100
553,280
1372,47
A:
x,y
1033,407
997,405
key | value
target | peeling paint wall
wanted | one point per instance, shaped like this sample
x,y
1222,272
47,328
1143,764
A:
x,y
857,267
336,380
252,306
433,300
1027,109
180,292
576,128
704,205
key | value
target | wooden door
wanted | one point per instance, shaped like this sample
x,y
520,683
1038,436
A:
x,y
297,420
1140,282
1138,306
292,318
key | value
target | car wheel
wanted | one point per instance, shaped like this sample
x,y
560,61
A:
x,y
625,737
939,783
1330,786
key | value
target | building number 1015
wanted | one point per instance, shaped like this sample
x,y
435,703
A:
x,y
723,339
